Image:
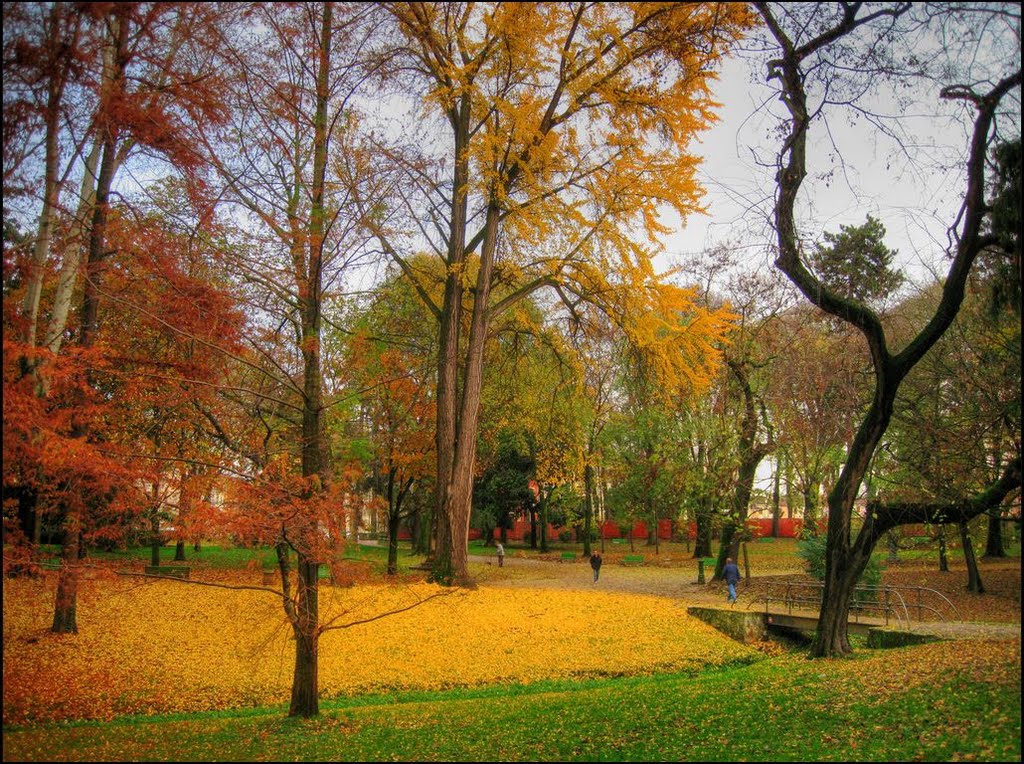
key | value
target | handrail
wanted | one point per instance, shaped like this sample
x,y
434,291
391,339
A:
x,y
898,608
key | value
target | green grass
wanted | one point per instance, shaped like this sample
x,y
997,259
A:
x,y
785,708
230,557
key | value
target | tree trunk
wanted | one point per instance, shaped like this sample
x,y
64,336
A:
x,y
588,506
994,539
841,575
304,612
702,544
51,188
305,701
65,611
974,584
446,556
179,551
943,560
393,522
154,541
544,520
776,499
154,528
652,513
65,605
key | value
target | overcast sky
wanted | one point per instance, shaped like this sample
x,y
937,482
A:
x,y
914,190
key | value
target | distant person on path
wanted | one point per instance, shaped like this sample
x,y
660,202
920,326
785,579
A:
x,y
732,577
501,555
595,563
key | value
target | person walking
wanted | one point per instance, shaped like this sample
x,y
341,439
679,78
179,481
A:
x,y
595,563
731,572
501,555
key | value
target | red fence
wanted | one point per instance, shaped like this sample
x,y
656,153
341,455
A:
x,y
759,528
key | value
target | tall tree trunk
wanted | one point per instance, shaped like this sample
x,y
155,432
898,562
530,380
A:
x,y
65,611
776,498
751,454
393,523
588,506
994,538
943,560
544,519
461,494
304,614
65,605
305,700
790,492
703,515
51,187
446,542
725,548
974,584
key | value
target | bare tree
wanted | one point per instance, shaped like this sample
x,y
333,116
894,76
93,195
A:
x,y
816,48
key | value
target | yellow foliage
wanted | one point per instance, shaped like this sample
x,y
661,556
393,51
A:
x,y
158,647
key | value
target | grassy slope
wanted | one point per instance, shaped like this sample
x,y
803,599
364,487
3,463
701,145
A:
x,y
933,702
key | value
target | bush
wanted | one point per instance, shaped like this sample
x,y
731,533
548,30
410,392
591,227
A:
x,y
565,536
812,550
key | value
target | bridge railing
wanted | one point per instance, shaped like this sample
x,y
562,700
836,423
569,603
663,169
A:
x,y
899,603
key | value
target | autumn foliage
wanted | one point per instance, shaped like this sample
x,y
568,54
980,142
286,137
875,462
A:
x,y
207,648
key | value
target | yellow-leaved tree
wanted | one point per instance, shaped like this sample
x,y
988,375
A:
x,y
547,138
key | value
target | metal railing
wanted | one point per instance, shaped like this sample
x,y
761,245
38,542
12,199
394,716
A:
x,y
888,601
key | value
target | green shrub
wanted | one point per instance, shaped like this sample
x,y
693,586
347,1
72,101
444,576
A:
x,y
812,550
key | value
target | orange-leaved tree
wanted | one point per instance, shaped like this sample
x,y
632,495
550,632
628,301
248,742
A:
x,y
128,65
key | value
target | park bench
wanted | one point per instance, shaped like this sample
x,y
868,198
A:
x,y
633,559
568,556
175,571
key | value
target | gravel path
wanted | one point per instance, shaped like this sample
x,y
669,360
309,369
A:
x,y
676,583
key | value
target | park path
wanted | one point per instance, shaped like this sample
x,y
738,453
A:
x,y
676,583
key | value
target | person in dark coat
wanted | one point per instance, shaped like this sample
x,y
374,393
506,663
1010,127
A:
x,y
731,572
595,563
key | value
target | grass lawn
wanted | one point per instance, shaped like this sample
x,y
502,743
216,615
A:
x,y
534,664
938,702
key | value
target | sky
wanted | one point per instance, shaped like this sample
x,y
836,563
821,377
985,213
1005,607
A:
x,y
915,190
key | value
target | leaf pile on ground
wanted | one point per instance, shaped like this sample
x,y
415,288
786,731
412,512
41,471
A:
x,y
160,646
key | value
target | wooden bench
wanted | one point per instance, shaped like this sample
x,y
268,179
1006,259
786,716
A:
x,y
174,571
633,559
568,556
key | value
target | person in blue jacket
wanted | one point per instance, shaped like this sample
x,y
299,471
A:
x,y
731,572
